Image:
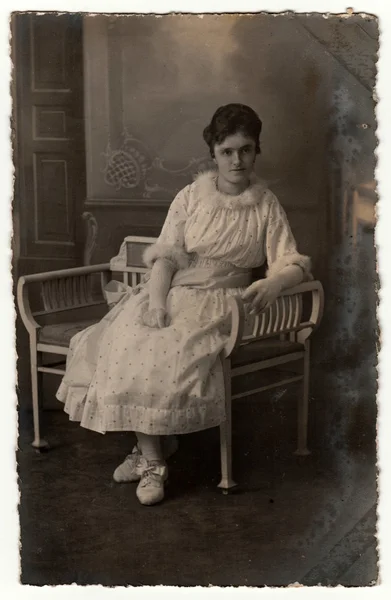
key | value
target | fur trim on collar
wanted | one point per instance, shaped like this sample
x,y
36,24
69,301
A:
x,y
207,191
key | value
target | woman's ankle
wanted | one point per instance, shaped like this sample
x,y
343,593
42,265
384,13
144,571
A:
x,y
150,447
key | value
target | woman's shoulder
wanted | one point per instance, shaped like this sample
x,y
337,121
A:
x,y
276,209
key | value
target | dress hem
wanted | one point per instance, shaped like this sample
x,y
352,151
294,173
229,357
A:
x,y
137,418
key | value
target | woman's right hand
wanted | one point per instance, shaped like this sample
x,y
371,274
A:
x,y
156,317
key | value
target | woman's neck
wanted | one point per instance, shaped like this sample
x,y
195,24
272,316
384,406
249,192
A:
x,y
232,189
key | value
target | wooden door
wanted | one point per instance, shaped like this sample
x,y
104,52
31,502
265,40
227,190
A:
x,y
49,157
49,151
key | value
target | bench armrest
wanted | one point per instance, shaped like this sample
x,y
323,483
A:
x,y
62,273
274,322
61,290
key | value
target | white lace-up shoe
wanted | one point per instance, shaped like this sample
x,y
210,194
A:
x,y
135,464
132,468
150,490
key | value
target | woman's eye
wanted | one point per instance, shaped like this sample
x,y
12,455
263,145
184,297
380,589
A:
x,y
227,152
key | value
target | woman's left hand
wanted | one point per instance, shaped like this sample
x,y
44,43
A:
x,y
156,317
261,294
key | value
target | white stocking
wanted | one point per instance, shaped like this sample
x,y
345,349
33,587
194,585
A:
x,y
150,446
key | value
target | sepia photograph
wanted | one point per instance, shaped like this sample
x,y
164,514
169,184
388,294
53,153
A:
x,y
195,284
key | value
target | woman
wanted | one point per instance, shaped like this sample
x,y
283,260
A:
x,y
152,364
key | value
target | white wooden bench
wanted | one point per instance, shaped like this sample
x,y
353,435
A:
x,y
69,300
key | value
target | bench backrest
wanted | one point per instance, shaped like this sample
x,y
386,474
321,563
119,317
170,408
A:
x,y
81,290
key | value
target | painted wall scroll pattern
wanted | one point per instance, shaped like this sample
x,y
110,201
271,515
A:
x,y
132,166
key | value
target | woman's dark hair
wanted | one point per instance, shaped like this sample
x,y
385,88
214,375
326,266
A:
x,y
231,119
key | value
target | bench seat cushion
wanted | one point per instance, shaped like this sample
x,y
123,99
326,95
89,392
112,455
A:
x,y
61,333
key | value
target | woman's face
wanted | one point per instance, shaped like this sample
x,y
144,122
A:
x,y
235,157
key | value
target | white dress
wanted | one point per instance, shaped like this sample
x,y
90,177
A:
x,y
124,376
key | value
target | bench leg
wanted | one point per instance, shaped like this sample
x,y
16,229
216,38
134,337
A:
x,y
226,435
302,412
36,389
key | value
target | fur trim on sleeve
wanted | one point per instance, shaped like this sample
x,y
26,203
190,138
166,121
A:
x,y
304,262
176,254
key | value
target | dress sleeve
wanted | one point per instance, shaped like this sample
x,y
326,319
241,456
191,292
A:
x,y
281,249
171,241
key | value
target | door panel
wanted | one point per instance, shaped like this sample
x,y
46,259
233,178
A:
x,y
50,156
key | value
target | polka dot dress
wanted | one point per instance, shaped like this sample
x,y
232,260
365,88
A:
x,y
124,376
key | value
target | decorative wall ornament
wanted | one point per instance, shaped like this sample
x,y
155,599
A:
x,y
133,167
126,167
